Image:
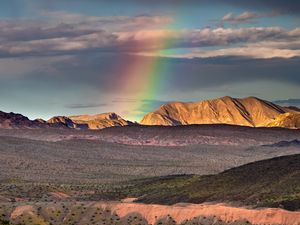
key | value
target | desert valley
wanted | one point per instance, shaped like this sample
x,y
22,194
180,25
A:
x,y
221,161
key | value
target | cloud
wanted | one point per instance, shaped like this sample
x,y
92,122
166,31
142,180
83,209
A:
x,y
245,17
254,42
14,31
65,33
107,22
86,105
251,51
18,40
288,102
155,39
287,7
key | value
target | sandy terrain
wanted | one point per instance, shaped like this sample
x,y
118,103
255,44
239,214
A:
x,y
185,212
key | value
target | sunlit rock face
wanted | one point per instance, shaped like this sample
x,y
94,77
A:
x,y
287,120
249,111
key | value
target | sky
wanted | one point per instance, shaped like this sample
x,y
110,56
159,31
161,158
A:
x,y
70,57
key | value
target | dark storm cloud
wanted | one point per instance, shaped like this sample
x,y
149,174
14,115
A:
x,y
102,71
286,6
218,71
106,72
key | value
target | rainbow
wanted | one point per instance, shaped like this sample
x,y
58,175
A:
x,y
146,75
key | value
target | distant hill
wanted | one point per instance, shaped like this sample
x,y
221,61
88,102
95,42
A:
x,y
283,144
101,121
273,183
249,111
93,122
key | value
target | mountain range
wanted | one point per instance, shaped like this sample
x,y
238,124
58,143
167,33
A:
x,y
250,111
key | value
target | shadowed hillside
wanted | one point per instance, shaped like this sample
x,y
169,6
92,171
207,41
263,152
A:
x,y
273,183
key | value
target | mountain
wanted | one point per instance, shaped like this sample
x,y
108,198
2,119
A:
x,y
269,183
249,111
286,120
93,122
15,120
